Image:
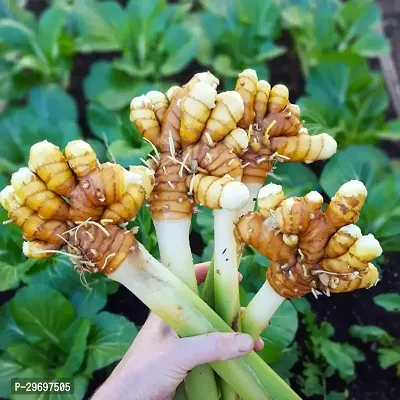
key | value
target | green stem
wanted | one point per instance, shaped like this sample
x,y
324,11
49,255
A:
x,y
188,315
226,284
176,255
208,294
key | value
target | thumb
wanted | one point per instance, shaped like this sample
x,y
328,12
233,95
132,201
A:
x,y
210,347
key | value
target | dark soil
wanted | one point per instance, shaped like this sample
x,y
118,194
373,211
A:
x,y
372,383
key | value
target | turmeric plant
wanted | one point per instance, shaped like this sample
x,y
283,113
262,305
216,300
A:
x,y
195,131
90,228
275,131
310,250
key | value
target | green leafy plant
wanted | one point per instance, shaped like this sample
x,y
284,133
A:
x,y
50,113
381,212
235,35
43,335
345,98
124,143
326,357
384,344
33,50
320,27
154,38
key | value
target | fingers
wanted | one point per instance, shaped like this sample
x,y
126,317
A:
x,y
200,271
203,349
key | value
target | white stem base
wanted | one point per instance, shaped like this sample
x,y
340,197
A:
x,y
175,252
226,284
254,188
260,310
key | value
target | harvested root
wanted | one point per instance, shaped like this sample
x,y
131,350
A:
x,y
82,223
312,250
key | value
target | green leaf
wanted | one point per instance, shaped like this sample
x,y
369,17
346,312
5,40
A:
x,y
10,333
33,314
9,276
328,83
335,396
125,155
288,359
296,179
364,163
391,131
372,44
178,60
111,88
88,302
53,104
56,273
204,224
109,338
311,382
389,301
103,123
10,369
77,349
102,26
353,352
280,332
368,333
388,357
50,26
27,355
337,358
301,304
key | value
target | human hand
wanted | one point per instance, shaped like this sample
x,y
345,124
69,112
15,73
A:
x,y
159,360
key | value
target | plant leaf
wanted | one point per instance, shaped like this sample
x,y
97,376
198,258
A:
x,y
178,60
53,104
76,351
388,357
364,163
372,44
368,333
31,310
88,302
296,179
337,358
27,355
109,338
280,332
50,26
389,301
102,26
9,276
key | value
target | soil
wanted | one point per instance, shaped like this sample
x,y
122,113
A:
x,y
342,311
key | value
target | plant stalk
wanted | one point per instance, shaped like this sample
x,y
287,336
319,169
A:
x,y
176,255
227,302
188,315
259,311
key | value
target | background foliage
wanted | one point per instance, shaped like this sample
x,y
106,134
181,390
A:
x,y
71,70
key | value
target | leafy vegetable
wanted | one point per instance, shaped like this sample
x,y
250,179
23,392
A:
x,y
50,114
155,40
346,99
330,26
238,35
389,301
33,51
381,213
44,337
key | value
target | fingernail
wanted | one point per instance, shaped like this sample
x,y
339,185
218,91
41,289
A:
x,y
240,276
244,342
